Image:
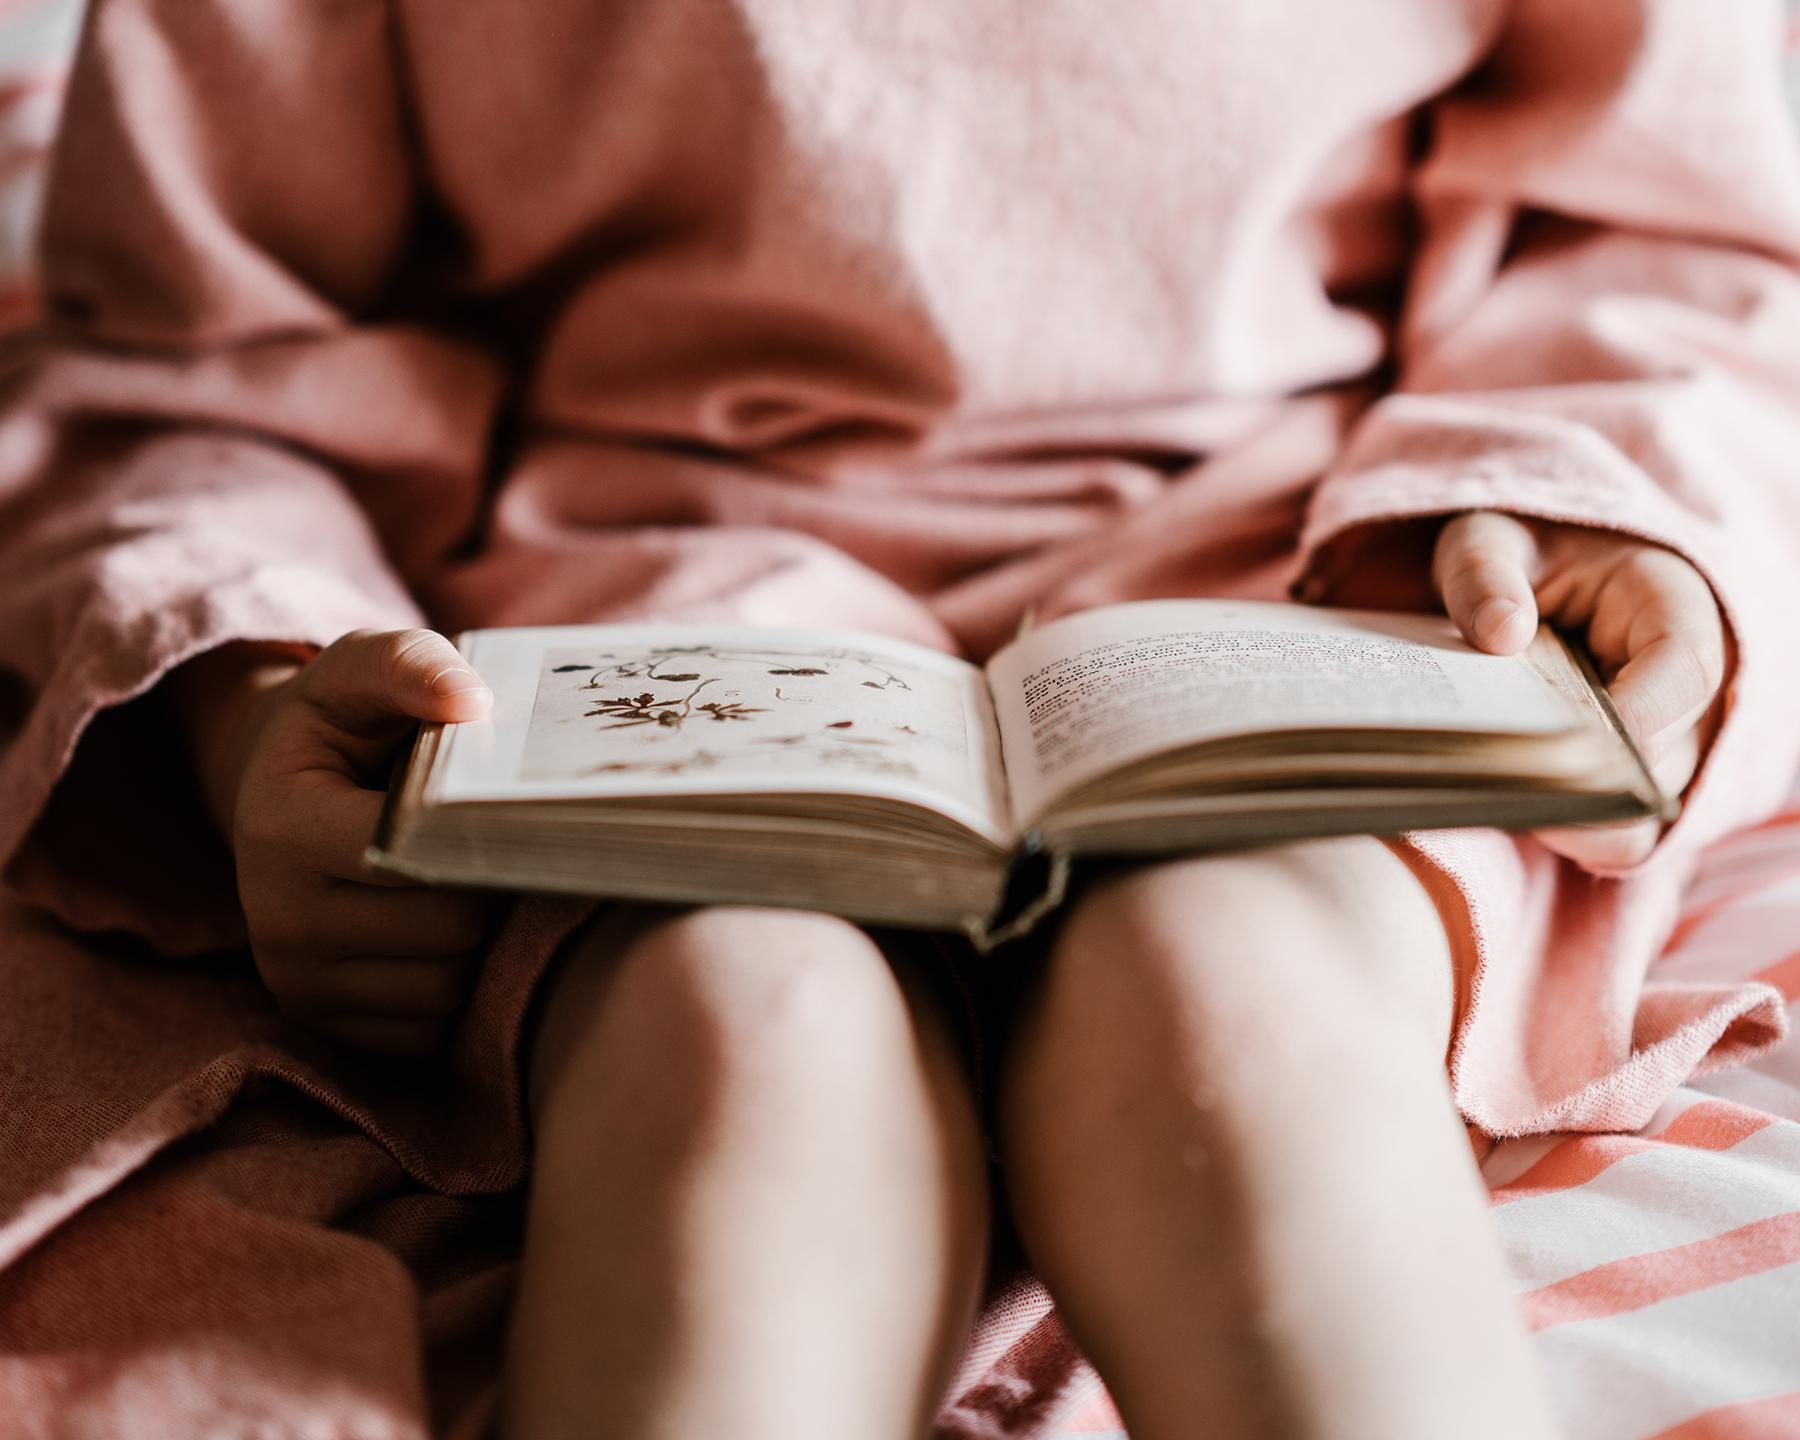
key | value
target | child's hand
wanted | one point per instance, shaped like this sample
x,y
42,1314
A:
x,y
292,757
1652,626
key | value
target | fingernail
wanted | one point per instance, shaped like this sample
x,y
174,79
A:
x,y
1493,618
457,680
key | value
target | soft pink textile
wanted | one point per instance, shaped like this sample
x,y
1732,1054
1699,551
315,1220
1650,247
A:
x,y
913,316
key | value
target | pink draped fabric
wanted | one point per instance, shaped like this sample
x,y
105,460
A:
x,y
916,316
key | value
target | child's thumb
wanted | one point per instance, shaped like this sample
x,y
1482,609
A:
x,y
1483,570
370,678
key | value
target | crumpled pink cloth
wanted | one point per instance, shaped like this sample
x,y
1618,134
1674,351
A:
x,y
918,316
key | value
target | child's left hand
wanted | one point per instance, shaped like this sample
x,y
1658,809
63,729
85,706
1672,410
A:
x,y
1652,626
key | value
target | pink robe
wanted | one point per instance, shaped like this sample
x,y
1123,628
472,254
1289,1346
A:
x,y
910,315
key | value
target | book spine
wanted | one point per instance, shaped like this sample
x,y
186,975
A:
x,y
1036,884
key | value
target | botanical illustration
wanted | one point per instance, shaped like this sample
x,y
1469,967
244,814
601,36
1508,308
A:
x,y
743,714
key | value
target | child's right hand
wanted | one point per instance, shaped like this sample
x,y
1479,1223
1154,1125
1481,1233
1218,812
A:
x,y
292,758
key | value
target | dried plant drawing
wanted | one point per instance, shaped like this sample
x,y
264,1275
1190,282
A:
x,y
626,711
777,711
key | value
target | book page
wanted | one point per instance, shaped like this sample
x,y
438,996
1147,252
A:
x,y
1093,692
654,710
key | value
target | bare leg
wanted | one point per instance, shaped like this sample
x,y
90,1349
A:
x,y
759,1200
1234,1160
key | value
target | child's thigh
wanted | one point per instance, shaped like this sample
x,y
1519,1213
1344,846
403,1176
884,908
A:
x,y
1314,942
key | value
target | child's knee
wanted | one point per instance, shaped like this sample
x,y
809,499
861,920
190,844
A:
x,y
697,1007
736,987
1309,942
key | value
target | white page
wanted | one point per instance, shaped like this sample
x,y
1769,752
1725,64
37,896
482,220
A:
x,y
1098,690
635,710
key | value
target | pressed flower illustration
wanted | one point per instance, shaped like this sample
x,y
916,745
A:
x,y
714,710
668,711
627,711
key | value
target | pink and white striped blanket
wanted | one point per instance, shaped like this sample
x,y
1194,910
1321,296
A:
x,y
1660,1270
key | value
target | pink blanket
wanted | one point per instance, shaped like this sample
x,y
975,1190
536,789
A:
x,y
919,315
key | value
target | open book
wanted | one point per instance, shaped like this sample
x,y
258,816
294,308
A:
x,y
895,784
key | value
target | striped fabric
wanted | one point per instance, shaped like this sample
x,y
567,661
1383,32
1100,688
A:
x,y
36,38
1659,1271
1793,55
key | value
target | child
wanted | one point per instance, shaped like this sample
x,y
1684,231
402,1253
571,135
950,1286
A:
x,y
366,316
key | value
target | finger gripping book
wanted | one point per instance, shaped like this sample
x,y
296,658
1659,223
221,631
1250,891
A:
x,y
895,784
